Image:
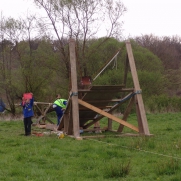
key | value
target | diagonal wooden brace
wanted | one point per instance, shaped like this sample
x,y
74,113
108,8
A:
x,y
89,106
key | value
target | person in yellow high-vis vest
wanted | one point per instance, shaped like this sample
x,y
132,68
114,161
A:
x,y
59,105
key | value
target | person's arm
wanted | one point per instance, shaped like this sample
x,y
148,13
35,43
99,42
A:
x,y
22,102
31,100
54,105
65,103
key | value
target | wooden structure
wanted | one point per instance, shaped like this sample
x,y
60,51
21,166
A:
x,y
87,106
43,108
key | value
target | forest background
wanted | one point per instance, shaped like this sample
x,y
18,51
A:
x,y
33,59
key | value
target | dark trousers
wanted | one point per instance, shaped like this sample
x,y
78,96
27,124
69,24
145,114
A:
x,y
27,125
59,116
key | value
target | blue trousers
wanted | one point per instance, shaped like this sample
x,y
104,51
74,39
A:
x,y
58,118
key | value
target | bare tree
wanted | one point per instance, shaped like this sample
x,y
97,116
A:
x,y
82,20
20,61
168,49
8,33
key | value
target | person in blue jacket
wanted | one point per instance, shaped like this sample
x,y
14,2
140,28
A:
x,y
59,106
2,106
28,113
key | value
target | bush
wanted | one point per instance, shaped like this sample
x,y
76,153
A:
x,y
163,103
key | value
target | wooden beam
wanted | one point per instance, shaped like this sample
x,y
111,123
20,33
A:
x,y
75,106
126,114
63,120
104,90
143,125
117,135
83,103
43,111
43,103
110,110
126,70
102,101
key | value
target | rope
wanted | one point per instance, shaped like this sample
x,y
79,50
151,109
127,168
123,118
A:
x,y
138,149
74,94
115,63
107,65
128,96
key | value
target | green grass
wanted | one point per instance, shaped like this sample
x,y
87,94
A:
x,y
111,158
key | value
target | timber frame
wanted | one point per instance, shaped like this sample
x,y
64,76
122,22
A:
x,y
87,106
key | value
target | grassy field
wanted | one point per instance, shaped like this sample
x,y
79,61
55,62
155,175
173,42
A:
x,y
111,158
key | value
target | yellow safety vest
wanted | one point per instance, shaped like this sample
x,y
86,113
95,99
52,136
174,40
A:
x,y
59,102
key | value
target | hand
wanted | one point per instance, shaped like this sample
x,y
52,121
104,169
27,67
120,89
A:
x,y
27,100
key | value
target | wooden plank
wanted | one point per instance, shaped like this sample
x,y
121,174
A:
x,y
102,101
51,126
126,70
49,120
105,90
39,118
99,87
67,111
93,129
117,135
143,125
110,110
126,114
70,125
75,106
66,122
68,106
43,111
43,103
109,124
99,111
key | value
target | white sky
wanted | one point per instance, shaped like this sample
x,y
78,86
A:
x,y
157,17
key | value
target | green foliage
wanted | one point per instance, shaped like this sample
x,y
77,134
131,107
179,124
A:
x,y
151,83
100,52
149,69
145,60
163,103
112,77
38,67
150,75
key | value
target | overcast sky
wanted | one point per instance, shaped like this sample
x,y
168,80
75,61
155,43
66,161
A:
x,y
157,17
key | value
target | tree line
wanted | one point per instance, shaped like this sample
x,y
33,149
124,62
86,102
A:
x,y
34,49
32,60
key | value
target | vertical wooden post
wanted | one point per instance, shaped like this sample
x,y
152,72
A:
x,y
70,126
97,127
126,114
109,124
143,125
66,123
75,106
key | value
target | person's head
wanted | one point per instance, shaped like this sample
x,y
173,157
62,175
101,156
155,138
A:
x,y
58,96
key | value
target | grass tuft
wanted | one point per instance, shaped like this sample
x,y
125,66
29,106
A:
x,y
167,167
117,170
